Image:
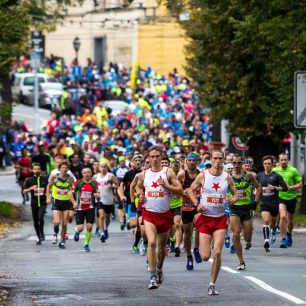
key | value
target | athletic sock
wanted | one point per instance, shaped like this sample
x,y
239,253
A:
x,y
76,229
87,238
266,231
56,229
137,237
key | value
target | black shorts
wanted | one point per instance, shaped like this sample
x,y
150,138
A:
x,y
61,205
242,212
273,210
88,215
108,209
187,216
139,213
290,205
176,211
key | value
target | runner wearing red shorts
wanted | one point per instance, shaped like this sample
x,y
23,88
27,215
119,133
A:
x,y
211,220
158,184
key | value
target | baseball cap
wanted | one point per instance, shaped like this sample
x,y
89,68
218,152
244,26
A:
x,y
121,158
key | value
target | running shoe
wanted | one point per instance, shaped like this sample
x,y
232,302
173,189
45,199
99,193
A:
x,y
106,234
212,290
232,249
227,241
76,236
267,246
38,241
160,277
128,226
102,238
97,233
241,266
248,245
197,255
135,249
273,236
86,248
142,249
61,245
153,283
177,252
122,226
289,240
42,237
283,244
54,240
189,265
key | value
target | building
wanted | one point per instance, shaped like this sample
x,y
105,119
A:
x,y
121,32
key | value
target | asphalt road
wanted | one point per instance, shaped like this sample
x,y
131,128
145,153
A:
x,y
112,275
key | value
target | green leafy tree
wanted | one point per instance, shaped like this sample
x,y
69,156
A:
x,y
243,55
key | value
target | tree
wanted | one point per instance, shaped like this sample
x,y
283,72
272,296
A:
x,y
243,55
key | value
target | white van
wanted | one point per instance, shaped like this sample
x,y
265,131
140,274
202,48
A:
x,y
24,85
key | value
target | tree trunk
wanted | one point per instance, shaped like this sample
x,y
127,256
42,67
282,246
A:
x,y
5,101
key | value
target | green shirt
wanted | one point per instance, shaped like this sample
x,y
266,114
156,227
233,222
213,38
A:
x,y
291,176
176,202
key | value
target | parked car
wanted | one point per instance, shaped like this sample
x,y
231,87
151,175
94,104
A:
x,y
49,95
24,84
117,106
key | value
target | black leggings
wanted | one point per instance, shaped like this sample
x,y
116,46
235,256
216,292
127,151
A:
x,y
38,214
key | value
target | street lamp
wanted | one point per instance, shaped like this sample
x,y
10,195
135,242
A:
x,y
77,45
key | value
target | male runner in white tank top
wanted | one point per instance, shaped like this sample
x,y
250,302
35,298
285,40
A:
x,y
157,185
211,220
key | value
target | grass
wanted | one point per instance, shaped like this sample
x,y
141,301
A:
x,y
8,210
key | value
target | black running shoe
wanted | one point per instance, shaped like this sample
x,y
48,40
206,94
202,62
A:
x,y
102,238
177,252
42,237
267,246
248,246
153,283
61,245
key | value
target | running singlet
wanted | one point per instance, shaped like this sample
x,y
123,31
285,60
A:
x,y
244,190
291,176
187,204
213,194
60,189
157,198
105,188
84,196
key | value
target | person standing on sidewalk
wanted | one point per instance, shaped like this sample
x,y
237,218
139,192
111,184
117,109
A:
x,y
287,199
37,186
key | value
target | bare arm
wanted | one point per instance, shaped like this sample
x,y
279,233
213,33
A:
x,y
253,181
139,185
49,187
121,192
133,187
233,191
181,177
174,186
194,186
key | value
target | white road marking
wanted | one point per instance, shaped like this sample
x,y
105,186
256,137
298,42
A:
x,y
267,287
229,270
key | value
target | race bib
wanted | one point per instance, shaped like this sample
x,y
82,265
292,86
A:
x,y
86,197
267,192
62,192
156,194
242,194
215,200
187,207
39,192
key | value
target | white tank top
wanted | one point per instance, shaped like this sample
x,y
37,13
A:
x,y
213,194
105,188
157,198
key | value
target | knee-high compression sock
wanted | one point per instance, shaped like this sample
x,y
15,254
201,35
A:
x,y
56,229
87,238
266,231
137,237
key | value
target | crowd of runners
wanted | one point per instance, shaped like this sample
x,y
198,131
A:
x,y
151,168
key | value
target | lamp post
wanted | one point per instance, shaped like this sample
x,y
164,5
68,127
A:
x,y
76,45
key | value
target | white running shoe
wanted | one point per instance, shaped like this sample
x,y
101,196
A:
x,y
54,240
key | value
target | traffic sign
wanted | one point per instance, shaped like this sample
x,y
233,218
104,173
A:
x,y
238,144
38,42
300,99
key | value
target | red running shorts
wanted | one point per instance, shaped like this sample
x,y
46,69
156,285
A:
x,y
208,225
162,221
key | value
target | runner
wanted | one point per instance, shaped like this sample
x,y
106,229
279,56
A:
x,y
241,216
60,186
157,185
37,186
106,183
82,196
288,199
23,168
211,220
188,210
270,184
175,206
